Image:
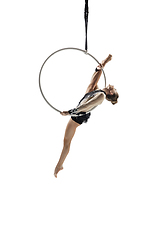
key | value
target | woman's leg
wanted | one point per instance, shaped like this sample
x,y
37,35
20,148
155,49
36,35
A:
x,y
97,74
95,78
69,133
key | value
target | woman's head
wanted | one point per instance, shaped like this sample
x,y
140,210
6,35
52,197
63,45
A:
x,y
111,94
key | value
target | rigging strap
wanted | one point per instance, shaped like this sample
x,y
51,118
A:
x,y
86,12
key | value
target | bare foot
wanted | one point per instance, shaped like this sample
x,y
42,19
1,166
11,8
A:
x,y
109,58
56,171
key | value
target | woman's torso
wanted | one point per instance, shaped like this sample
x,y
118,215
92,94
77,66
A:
x,y
89,96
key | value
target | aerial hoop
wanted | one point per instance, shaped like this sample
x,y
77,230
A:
x,y
84,51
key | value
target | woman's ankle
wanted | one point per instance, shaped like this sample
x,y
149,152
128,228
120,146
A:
x,y
99,67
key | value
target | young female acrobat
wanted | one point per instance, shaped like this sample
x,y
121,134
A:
x,y
81,113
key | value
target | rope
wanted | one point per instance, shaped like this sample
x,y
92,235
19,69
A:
x,y
86,12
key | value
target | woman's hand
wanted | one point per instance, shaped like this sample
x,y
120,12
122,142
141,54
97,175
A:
x,y
64,113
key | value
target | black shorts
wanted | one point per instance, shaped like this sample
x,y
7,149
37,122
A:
x,y
81,119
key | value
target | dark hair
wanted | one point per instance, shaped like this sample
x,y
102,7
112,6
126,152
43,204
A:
x,y
113,98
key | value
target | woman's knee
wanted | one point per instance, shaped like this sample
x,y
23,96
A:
x,y
67,142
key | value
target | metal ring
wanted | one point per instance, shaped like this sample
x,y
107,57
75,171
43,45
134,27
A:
x,y
51,56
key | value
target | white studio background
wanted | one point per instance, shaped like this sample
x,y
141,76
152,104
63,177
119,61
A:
x,y
110,185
